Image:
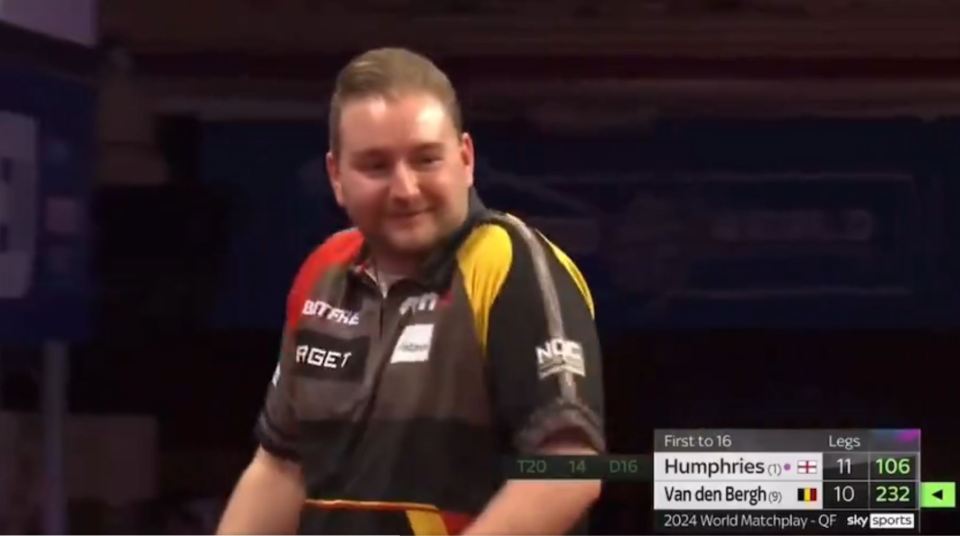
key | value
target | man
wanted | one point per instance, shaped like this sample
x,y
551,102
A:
x,y
423,346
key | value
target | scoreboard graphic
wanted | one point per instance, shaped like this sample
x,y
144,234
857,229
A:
x,y
776,481
791,481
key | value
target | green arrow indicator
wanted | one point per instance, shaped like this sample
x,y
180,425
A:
x,y
938,495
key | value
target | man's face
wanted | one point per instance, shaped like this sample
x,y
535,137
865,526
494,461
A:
x,y
402,172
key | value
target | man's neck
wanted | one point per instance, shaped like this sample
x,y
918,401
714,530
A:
x,y
396,266
386,271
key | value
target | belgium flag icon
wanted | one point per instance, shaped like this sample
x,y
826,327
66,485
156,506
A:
x,y
807,494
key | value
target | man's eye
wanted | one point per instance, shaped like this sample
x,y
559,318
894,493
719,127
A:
x,y
428,160
376,166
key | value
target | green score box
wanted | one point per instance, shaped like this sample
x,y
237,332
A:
x,y
938,495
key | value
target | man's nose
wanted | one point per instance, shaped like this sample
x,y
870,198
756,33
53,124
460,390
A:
x,y
404,183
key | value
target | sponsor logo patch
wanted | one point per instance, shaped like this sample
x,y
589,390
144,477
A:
x,y
424,302
322,309
326,357
558,356
413,345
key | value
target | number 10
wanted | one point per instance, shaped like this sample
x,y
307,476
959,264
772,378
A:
x,y
845,493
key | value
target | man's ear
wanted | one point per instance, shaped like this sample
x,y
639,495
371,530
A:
x,y
333,172
467,156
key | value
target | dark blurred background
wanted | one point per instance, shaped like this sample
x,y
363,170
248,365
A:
x,y
760,192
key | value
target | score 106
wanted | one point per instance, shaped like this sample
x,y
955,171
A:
x,y
872,466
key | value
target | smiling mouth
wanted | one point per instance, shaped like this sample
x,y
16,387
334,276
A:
x,y
407,215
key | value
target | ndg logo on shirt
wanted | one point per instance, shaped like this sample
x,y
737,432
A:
x,y
557,356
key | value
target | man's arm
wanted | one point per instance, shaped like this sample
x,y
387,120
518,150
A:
x,y
270,494
267,498
539,506
544,362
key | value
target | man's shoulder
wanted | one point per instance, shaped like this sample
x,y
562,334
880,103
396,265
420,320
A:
x,y
504,244
338,250
496,240
490,243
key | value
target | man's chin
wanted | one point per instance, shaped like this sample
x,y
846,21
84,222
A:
x,y
413,244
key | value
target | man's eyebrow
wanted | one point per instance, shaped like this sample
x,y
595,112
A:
x,y
372,152
428,146
378,152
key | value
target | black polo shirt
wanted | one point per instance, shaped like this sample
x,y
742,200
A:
x,y
401,407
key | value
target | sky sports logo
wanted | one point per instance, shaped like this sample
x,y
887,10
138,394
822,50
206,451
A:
x,y
903,520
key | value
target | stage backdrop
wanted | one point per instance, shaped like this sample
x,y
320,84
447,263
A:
x,y
696,223
68,20
46,147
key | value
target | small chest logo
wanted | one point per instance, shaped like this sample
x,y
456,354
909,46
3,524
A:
x,y
413,346
424,302
324,310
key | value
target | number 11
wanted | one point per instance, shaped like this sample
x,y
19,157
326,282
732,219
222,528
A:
x,y
844,464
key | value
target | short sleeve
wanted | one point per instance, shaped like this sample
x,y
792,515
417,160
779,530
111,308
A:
x,y
543,351
277,427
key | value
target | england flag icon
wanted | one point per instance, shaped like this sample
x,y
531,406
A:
x,y
807,467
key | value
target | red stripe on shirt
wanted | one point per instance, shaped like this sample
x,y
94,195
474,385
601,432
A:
x,y
338,250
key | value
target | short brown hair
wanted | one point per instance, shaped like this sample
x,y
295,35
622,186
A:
x,y
388,72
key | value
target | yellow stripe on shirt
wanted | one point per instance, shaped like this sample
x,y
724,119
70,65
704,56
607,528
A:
x,y
484,260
